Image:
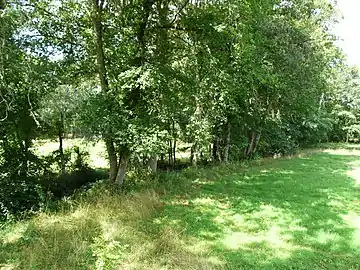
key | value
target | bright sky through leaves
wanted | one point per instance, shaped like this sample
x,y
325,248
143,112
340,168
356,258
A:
x,y
348,29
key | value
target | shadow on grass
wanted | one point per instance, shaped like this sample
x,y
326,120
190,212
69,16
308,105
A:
x,y
288,214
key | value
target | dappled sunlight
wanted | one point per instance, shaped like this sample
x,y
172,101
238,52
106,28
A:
x,y
342,152
15,234
273,213
281,172
270,227
209,202
10,266
286,172
325,237
275,243
97,151
355,174
352,219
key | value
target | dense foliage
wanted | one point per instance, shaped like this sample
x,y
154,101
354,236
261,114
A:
x,y
230,79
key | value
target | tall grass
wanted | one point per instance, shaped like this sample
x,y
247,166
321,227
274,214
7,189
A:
x,y
99,229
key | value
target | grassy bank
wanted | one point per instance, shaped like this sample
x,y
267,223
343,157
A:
x,y
299,213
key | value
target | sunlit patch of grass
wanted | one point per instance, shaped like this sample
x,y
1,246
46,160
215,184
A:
x,y
348,146
8,266
97,150
343,152
15,233
281,214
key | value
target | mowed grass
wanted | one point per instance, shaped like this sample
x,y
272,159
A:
x,y
290,213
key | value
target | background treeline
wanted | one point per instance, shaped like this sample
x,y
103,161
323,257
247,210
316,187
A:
x,y
223,80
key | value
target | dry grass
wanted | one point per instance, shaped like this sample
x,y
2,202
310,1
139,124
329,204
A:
x,y
104,230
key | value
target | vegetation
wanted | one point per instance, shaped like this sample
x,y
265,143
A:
x,y
296,213
156,87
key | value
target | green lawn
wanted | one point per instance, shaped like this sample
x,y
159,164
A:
x,y
300,213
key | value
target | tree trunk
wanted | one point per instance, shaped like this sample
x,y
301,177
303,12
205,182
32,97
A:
x,y
174,146
191,154
61,148
2,57
98,28
25,143
112,159
227,144
214,149
121,173
249,149
194,157
218,147
257,139
170,152
153,163
174,157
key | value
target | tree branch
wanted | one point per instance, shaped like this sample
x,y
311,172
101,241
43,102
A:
x,y
180,10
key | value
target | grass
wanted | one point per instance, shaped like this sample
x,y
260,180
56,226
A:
x,y
288,213
96,150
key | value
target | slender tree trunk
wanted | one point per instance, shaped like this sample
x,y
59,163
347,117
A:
x,y
121,174
227,144
174,158
112,159
170,149
258,136
153,163
174,147
98,28
214,149
218,147
254,141
194,156
24,142
61,148
249,149
2,57
27,144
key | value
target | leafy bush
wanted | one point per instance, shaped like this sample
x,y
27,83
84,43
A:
x,y
277,139
19,191
78,174
23,189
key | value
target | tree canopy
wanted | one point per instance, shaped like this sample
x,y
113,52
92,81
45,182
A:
x,y
230,79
